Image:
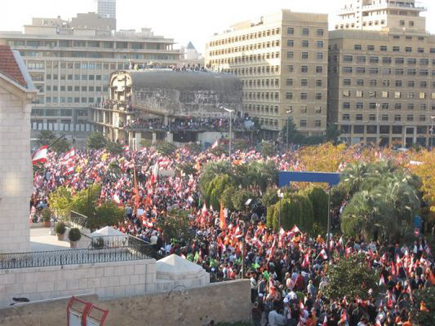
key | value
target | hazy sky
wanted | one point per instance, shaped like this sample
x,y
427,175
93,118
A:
x,y
188,20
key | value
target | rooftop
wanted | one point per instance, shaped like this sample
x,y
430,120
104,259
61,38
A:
x,y
9,66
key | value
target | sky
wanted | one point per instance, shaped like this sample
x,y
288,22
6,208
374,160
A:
x,y
182,20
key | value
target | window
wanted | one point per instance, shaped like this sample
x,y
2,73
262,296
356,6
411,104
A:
x,y
318,96
320,44
319,69
304,82
346,117
304,55
347,82
319,55
304,96
383,48
290,54
318,123
290,68
358,47
289,82
359,94
360,105
319,83
305,43
346,105
397,118
372,117
347,58
290,30
289,95
360,70
304,69
409,117
373,82
290,43
360,82
320,32
359,117
396,49
370,47
303,123
347,70
305,31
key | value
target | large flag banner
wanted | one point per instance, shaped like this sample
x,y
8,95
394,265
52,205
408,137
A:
x,y
40,155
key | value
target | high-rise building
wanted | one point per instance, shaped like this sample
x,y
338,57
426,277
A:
x,y
107,8
70,65
282,62
381,74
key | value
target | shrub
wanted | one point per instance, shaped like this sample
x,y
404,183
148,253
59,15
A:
x,y
96,141
74,234
46,214
60,228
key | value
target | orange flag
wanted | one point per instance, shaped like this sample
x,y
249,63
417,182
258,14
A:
x,y
223,221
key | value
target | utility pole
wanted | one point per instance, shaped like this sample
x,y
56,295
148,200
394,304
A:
x,y
290,111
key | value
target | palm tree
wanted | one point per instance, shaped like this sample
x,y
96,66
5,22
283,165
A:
x,y
367,215
353,177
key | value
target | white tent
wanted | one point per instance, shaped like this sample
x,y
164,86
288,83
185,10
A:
x,y
107,231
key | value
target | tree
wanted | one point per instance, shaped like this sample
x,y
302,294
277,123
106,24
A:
x,y
216,188
422,311
210,171
267,149
194,148
96,140
270,197
332,134
352,278
258,175
227,197
354,176
60,201
240,197
319,201
368,215
166,148
176,225
114,148
47,137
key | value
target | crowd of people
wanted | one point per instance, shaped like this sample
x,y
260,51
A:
x,y
190,124
288,270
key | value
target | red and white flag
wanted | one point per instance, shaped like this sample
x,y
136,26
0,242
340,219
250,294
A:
x,y
70,154
216,144
40,155
324,254
325,321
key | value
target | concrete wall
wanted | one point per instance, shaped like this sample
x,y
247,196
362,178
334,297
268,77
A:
x,y
15,169
222,302
107,280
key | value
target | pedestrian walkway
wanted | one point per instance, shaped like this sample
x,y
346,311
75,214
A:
x,y
41,240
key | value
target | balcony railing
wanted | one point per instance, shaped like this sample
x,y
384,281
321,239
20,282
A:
x,y
72,257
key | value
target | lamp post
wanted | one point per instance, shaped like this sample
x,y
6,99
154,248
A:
x,y
431,132
290,111
280,195
89,183
377,124
231,128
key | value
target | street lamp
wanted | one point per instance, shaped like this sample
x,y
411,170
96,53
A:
x,y
432,117
290,111
377,124
89,182
231,127
280,195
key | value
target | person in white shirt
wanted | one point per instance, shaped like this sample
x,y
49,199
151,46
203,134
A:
x,y
276,319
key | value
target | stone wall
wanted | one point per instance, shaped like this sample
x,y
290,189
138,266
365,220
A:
x,y
15,169
222,302
107,280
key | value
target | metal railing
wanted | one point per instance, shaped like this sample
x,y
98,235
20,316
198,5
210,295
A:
x,y
73,257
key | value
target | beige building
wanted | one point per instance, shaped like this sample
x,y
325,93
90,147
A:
x,y
282,62
70,64
16,93
381,74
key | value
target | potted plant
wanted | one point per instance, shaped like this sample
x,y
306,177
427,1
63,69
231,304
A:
x,y
46,217
74,236
60,230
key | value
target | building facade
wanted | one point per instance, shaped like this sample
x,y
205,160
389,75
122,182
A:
x,y
180,106
381,74
70,66
16,93
107,8
282,62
